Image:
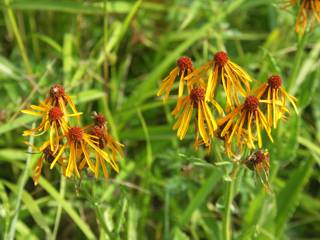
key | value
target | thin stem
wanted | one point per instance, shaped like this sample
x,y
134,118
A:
x,y
20,191
59,209
18,37
226,227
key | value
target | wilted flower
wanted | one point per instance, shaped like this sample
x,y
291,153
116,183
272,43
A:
x,y
259,162
77,142
183,68
275,96
204,121
46,155
105,140
234,79
242,120
309,10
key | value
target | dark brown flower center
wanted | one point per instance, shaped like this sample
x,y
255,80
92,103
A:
x,y
99,120
101,134
251,103
275,81
55,114
48,154
221,58
76,134
184,63
57,91
196,95
259,157
98,131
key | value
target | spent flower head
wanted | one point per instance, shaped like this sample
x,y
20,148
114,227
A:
x,y
243,120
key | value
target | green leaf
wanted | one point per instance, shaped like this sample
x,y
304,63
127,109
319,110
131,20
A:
x,y
288,197
286,150
201,195
179,235
67,207
32,207
307,89
71,6
12,154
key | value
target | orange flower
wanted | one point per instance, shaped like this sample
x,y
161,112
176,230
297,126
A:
x,y
205,123
183,68
276,97
234,79
105,140
53,119
241,121
309,10
77,142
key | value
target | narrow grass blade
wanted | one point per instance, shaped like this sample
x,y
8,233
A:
x,y
68,208
201,196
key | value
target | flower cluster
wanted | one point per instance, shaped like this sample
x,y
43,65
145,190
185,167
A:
x,y
247,112
309,12
64,139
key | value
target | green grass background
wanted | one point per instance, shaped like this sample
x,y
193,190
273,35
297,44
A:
x,y
111,57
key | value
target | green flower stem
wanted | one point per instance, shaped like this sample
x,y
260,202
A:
x,y
226,224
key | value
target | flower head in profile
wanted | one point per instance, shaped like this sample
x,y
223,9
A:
x,y
204,121
243,120
234,79
309,11
275,96
53,120
113,149
46,156
183,68
99,120
259,162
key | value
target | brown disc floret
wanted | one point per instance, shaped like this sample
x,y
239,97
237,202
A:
x,y
221,58
57,91
75,134
275,82
196,95
99,120
100,133
184,63
251,104
55,114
